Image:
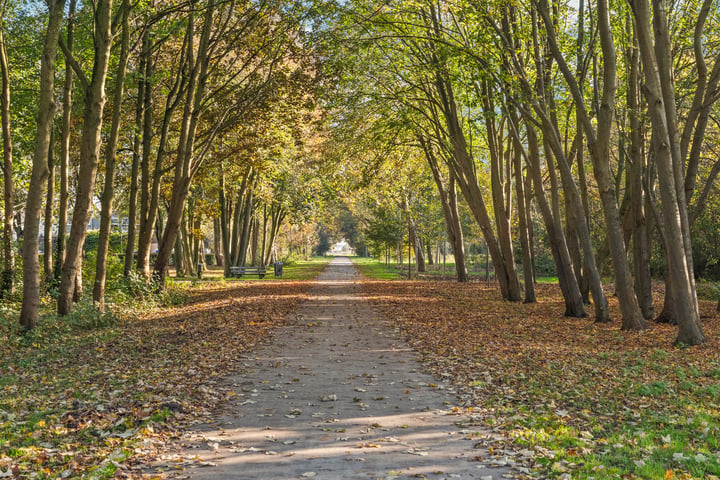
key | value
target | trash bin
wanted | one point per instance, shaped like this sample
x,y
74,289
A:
x,y
278,269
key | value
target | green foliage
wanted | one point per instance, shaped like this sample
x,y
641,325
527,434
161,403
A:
x,y
85,315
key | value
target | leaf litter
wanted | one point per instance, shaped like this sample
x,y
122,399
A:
x,y
567,398
108,402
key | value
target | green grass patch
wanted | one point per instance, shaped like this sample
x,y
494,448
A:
x,y
376,269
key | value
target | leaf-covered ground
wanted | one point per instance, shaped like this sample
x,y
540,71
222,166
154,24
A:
x,y
98,403
574,399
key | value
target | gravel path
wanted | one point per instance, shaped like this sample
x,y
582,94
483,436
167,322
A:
x,y
338,395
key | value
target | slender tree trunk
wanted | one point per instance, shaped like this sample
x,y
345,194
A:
x,y
574,306
528,276
246,223
224,219
110,164
94,93
678,253
255,238
599,143
185,154
7,282
65,128
46,109
217,243
640,238
49,201
149,183
143,72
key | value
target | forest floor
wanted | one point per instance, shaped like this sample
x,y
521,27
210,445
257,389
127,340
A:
x,y
563,398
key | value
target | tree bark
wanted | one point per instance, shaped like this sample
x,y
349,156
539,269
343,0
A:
x,y
65,128
672,195
49,201
143,71
46,109
599,144
94,93
7,282
640,238
528,277
198,66
110,164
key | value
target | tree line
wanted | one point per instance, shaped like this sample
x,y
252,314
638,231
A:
x,y
597,120
178,116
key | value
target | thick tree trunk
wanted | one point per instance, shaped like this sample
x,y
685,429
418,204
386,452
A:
x,y
7,282
46,109
94,93
110,163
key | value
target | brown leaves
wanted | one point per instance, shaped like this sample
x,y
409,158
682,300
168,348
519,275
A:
x,y
115,396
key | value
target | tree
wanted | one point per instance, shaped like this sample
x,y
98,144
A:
x,y
94,95
46,108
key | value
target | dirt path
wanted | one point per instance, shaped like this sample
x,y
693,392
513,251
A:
x,y
338,395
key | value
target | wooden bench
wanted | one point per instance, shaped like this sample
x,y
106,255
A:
x,y
240,271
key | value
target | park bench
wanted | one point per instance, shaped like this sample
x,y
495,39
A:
x,y
240,271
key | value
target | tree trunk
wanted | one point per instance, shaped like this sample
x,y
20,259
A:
x,y
678,253
195,91
7,282
110,163
246,222
46,109
574,306
49,201
599,144
528,277
254,242
640,237
217,242
65,148
142,73
94,93
465,173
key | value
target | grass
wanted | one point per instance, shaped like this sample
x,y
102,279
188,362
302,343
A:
x,y
376,269
294,270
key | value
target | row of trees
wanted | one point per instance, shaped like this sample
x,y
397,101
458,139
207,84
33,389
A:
x,y
598,119
175,115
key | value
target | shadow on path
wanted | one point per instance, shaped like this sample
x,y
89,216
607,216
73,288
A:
x,y
338,395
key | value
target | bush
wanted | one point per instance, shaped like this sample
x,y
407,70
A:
x,y
85,315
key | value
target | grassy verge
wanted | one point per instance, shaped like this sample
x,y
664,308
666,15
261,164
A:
x,y
376,269
573,399
80,397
